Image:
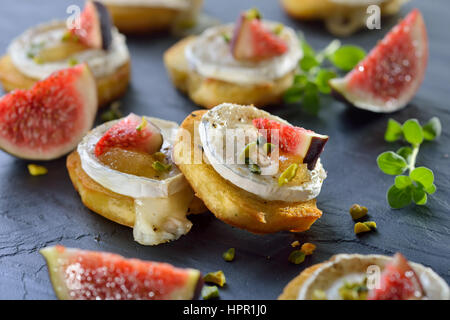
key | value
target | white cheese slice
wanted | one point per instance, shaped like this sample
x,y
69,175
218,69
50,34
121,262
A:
x,y
210,55
214,130
354,268
47,35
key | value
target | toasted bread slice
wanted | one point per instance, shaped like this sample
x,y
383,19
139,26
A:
x,y
232,204
208,92
340,19
109,88
140,19
291,290
111,205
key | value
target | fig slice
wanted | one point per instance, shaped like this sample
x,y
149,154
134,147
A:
x,y
95,25
49,120
389,77
398,282
294,140
131,133
89,275
252,42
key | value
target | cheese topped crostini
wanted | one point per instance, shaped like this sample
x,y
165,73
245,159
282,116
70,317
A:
x,y
143,16
252,170
124,171
367,277
54,46
341,17
250,62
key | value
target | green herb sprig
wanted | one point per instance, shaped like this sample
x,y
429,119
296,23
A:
x,y
416,186
312,78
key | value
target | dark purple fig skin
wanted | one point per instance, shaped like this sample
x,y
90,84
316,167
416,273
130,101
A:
x,y
315,149
198,288
105,24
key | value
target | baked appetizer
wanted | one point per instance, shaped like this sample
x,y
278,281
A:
x,y
250,62
144,16
341,17
251,169
53,46
123,170
367,277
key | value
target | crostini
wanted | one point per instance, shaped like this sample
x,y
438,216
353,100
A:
x,y
123,170
250,62
53,46
146,16
268,182
366,277
341,17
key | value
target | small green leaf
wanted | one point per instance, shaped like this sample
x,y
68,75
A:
x,y
391,163
419,196
300,80
347,57
322,78
307,49
311,101
399,198
308,62
293,94
432,129
405,152
431,190
401,182
423,175
393,131
413,132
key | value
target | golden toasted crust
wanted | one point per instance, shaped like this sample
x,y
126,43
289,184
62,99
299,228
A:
x,y
208,92
109,88
111,205
321,9
290,292
132,19
234,205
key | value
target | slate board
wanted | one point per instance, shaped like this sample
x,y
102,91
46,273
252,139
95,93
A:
x,y
40,211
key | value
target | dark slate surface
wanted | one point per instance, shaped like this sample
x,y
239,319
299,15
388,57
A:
x,y
40,211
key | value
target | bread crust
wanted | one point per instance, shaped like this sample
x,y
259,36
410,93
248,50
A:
x,y
321,9
134,19
111,205
234,205
291,290
209,92
109,88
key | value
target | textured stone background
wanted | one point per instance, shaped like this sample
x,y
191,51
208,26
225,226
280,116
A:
x,y
40,211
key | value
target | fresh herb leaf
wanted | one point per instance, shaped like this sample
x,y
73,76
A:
x,y
405,152
419,196
432,129
413,132
399,198
394,131
420,181
423,175
311,101
401,182
347,57
308,51
322,78
391,163
293,94
308,62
